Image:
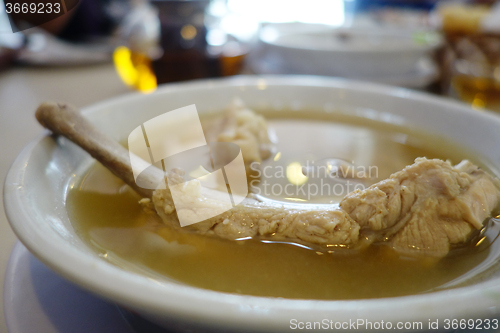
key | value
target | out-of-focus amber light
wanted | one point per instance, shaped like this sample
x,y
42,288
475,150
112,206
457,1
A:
x,y
188,32
478,102
135,69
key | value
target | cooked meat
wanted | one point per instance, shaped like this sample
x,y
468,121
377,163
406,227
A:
x,y
245,128
252,218
422,209
427,206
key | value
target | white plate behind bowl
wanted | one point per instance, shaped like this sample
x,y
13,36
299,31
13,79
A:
x,y
350,53
423,73
35,192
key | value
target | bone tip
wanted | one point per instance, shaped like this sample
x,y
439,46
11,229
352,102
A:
x,y
48,110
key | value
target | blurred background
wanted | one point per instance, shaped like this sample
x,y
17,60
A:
x,y
450,48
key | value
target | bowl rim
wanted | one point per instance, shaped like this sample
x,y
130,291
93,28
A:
x,y
231,310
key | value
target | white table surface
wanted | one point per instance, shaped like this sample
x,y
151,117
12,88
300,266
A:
x,y
21,90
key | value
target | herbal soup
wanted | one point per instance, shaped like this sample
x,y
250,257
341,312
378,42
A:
x,y
107,215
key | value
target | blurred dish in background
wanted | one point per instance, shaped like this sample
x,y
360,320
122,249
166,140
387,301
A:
x,y
476,83
194,44
44,49
422,75
379,55
472,60
177,40
402,18
460,18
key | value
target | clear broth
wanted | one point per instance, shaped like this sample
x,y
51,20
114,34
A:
x,y
106,214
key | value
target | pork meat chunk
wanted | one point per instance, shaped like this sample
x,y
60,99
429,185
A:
x,y
257,219
421,210
427,207
244,127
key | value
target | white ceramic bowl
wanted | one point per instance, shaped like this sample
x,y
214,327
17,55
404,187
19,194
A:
x,y
372,54
36,187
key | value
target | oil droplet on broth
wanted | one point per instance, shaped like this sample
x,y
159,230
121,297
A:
x,y
114,224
